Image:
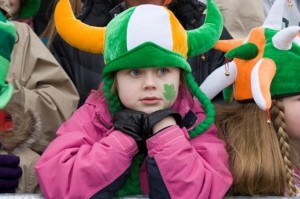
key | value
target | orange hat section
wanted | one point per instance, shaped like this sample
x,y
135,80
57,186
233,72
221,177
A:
x,y
242,88
227,45
179,36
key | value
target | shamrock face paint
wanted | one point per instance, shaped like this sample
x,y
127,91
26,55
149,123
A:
x,y
169,93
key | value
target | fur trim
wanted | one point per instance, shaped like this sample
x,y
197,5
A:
x,y
25,128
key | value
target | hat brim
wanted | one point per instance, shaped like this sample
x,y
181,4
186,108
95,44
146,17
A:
x,y
145,56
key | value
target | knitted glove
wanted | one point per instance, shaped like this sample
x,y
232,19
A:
x,y
7,40
188,12
10,172
157,116
134,124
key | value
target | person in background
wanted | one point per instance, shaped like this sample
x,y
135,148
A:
x,y
261,126
43,16
24,10
148,116
241,16
38,98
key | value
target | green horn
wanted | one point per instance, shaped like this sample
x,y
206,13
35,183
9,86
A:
x,y
246,51
204,38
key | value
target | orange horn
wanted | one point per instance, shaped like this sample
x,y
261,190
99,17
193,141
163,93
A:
x,y
74,32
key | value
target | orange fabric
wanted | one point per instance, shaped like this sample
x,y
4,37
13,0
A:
x,y
227,45
179,36
242,87
266,74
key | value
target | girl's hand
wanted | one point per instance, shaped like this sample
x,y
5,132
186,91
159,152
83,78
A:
x,y
161,119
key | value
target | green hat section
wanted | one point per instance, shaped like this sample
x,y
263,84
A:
x,y
287,78
7,35
146,55
30,9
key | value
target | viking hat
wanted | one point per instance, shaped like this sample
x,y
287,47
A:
x,y
140,37
265,66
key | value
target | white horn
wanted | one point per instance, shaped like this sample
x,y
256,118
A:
x,y
274,18
283,39
218,80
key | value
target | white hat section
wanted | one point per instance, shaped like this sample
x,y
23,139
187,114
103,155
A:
x,y
149,23
256,87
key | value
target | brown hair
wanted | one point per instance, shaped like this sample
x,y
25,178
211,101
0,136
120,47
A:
x,y
259,152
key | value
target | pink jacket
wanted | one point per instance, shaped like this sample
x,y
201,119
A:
x,y
88,155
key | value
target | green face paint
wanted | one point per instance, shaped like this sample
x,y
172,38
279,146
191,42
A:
x,y
169,93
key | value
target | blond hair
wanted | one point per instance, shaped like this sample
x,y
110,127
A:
x,y
259,153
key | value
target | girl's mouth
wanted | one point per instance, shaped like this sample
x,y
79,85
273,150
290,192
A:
x,y
151,100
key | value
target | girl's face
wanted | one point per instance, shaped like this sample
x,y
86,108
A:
x,y
148,89
292,117
15,6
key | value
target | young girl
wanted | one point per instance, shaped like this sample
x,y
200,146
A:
x,y
262,133
142,129
267,155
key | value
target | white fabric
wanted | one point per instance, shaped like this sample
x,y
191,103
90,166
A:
x,y
217,80
148,23
255,87
291,15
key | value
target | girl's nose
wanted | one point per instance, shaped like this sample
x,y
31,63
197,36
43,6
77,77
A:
x,y
149,82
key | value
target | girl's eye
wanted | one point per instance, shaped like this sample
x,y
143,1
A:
x,y
135,72
162,71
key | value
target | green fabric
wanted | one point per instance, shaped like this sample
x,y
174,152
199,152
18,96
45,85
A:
x,y
116,35
204,38
146,55
30,9
287,79
6,90
7,35
246,51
